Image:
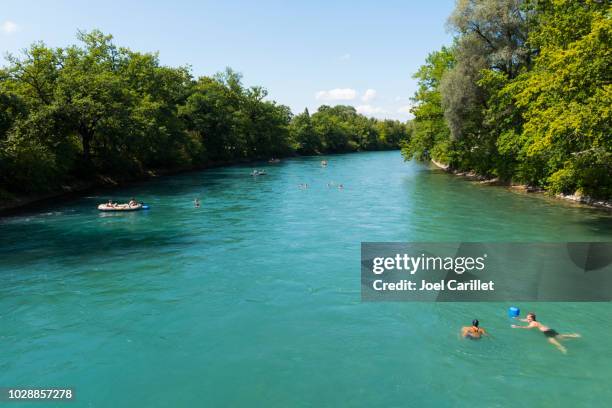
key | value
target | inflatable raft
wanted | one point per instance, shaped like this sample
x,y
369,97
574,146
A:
x,y
122,207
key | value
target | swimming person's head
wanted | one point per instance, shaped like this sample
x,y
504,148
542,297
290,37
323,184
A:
x,y
531,317
475,322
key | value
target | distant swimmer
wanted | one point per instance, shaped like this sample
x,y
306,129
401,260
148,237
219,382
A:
x,y
473,332
196,203
340,186
551,334
323,163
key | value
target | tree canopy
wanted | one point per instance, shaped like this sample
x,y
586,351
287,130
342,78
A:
x,y
524,94
92,109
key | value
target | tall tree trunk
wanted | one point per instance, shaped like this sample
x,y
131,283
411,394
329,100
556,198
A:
x,y
86,137
86,147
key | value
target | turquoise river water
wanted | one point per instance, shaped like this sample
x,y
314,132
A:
x,y
254,298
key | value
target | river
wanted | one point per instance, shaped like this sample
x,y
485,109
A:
x,y
254,298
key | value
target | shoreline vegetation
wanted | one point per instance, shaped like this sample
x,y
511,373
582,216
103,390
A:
x,y
521,98
97,114
583,200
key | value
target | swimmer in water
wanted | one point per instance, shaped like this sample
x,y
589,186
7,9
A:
x,y
551,334
196,203
473,332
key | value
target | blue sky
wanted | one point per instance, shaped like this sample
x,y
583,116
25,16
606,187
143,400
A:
x,y
306,53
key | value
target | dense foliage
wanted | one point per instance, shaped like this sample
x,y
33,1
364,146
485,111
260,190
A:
x,y
524,94
76,113
341,129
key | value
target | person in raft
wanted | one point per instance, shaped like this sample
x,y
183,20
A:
x,y
552,335
133,202
110,203
473,332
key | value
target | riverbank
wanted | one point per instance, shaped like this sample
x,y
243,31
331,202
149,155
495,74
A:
x,y
575,198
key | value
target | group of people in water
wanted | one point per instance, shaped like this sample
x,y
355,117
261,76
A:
x,y
301,186
304,186
475,332
332,184
132,203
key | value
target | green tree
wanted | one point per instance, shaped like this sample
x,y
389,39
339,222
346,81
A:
x,y
307,140
525,95
567,99
430,136
96,109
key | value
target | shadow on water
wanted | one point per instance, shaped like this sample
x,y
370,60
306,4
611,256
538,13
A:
x,y
171,185
56,242
599,221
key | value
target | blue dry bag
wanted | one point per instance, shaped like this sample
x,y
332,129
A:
x,y
513,312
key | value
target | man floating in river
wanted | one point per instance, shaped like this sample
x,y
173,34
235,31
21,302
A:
x,y
551,334
473,332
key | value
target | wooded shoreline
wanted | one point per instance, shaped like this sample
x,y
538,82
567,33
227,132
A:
x,y
71,114
583,200
522,95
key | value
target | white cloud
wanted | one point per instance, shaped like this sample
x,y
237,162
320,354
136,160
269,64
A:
x,y
337,94
369,110
9,27
369,95
345,57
